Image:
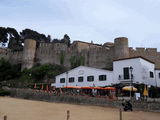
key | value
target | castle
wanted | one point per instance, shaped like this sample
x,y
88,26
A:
x,y
88,54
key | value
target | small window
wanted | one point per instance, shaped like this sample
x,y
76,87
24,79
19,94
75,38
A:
x,y
126,73
62,80
102,77
90,78
80,79
151,75
159,75
71,79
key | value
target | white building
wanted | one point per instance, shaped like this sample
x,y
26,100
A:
x,y
157,77
143,71
84,76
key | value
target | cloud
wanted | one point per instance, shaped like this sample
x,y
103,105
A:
x,y
86,20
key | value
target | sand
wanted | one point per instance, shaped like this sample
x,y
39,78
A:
x,y
20,109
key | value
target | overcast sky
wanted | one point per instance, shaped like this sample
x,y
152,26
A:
x,y
97,20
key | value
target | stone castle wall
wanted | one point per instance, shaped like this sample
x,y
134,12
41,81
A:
x,y
50,53
12,57
29,51
149,53
98,56
121,48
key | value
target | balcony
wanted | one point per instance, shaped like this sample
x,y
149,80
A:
x,y
123,80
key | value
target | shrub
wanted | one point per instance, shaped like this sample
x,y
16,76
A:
x,y
4,92
8,71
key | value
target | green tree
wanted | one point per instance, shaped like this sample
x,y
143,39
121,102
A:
x,y
40,72
8,71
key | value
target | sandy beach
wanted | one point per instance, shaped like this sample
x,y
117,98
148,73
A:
x,y
20,109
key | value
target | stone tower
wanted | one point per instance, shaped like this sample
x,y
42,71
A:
x,y
121,49
28,53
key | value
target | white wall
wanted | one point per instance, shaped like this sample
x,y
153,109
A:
x,y
146,68
85,71
157,79
140,72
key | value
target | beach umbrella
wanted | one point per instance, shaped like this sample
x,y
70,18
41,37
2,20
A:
x,y
129,88
35,86
145,93
109,88
42,87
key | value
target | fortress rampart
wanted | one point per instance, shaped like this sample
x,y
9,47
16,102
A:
x,y
149,53
94,55
29,51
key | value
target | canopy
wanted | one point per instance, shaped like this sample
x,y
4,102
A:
x,y
86,87
109,88
129,88
68,87
75,87
96,88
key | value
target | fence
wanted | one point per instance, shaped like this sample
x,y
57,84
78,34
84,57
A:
x,y
50,97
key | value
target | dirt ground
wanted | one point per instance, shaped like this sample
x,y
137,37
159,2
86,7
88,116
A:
x,y
19,109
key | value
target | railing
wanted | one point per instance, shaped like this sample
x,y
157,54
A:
x,y
121,78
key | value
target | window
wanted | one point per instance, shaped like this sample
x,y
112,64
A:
x,y
151,75
159,75
90,78
80,79
102,77
126,72
62,80
71,79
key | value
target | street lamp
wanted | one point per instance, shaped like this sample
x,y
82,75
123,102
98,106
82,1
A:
x,y
131,82
148,87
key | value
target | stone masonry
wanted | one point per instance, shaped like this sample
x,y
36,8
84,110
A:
x,y
95,55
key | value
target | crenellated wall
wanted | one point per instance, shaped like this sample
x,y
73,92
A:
x,y
98,56
12,57
149,53
50,53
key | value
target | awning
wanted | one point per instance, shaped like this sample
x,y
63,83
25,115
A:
x,y
75,87
86,87
109,88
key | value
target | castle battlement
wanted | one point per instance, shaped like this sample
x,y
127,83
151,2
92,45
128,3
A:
x,y
95,55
